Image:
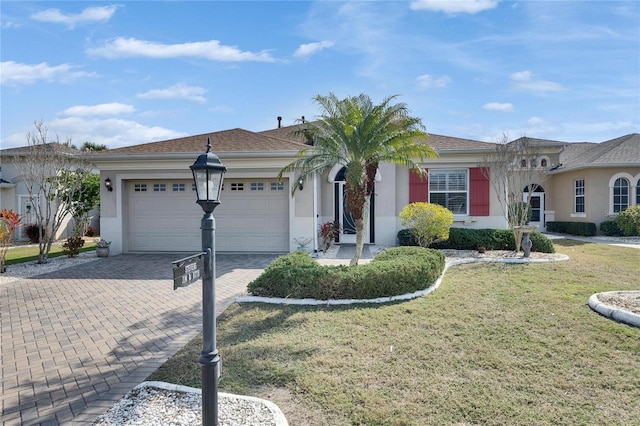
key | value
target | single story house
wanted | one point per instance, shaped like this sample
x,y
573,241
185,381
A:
x,y
151,206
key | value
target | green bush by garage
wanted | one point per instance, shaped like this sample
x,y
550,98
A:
x,y
585,229
474,239
396,271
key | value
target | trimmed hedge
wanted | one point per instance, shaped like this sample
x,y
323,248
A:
x,y
587,229
610,228
473,239
396,271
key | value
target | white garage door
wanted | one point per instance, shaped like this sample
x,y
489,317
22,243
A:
x,y
163,216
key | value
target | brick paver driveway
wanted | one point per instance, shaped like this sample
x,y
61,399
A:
x,y
77,340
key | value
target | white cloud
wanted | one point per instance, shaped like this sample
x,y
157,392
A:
x,y
454,6
88,15
427,81
309,49
14,74
497,106
122,47
524,80
177,91
98,110
112,132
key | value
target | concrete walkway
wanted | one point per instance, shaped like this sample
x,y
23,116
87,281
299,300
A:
x,y
75,341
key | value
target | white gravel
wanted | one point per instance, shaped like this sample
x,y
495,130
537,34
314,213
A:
x,y
153,403
32,269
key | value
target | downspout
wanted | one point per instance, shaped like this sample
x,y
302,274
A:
x,y
315,213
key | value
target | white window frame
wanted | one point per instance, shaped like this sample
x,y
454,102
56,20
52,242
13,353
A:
x,y
448,191
577,196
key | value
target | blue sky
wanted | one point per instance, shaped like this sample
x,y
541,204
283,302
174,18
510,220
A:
x,y
129,72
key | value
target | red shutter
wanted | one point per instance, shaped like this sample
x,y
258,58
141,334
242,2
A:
x,y
478,192
418,187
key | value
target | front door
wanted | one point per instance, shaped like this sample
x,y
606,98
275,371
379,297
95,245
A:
x,y
536,201
347,223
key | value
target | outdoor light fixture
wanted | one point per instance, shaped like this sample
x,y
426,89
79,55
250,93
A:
x,y
208,174
300,185
108,185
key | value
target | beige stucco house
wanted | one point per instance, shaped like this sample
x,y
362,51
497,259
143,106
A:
x,y
152,207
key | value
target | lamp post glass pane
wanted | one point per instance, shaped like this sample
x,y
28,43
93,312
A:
x,y
208,184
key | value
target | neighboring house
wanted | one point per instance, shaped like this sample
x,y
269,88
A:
x,y
152,207
14,195
593,182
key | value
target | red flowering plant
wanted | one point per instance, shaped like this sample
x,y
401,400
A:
x,y
328,232
9,221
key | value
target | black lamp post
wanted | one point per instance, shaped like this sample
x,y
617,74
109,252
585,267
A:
x,y
208,174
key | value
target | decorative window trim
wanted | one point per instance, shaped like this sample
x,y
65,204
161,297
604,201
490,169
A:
x,y
630,181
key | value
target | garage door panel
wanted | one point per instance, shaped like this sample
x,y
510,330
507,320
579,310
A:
x,y
246,220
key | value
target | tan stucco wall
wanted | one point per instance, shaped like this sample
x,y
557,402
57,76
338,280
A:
x,y
597,193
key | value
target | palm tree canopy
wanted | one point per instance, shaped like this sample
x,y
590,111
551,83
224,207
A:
x,y
359,134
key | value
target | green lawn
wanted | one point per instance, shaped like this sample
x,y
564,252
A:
x,y
29,253
496,344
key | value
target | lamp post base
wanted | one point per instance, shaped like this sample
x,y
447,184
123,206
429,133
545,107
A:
x,y
210,376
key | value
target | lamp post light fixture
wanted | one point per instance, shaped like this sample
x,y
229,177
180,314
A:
x,y
208,174
108,184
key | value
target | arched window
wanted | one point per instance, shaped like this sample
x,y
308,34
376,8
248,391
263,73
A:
x,y
543,162
620,195
523,163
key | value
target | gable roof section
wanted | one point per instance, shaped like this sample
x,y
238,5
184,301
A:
x,y
234,140
623,151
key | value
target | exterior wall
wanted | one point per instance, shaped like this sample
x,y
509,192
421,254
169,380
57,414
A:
x,y
597,193
495,219
113,221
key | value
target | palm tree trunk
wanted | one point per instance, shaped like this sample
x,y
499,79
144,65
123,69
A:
x,y
360,232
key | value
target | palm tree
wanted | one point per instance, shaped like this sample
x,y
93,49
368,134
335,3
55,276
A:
x,y
360,135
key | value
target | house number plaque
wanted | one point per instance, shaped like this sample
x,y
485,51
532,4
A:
x,y
188,270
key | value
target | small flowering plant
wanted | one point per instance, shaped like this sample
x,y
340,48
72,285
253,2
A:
x,y
103,243
328,232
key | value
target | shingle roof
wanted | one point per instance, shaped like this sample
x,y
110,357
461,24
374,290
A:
x,y
624,150
443,143
234,140
50,146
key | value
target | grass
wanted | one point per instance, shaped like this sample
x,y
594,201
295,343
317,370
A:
x,y
29,253
496,344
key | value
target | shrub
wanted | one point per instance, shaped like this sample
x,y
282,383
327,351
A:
x,y
32,232
491,239
72,246
396,271
587,229
406,238
429,222
90,232
629,221
610,228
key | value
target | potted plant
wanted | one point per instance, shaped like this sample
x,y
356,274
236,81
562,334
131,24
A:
x,y
328,232
102,248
